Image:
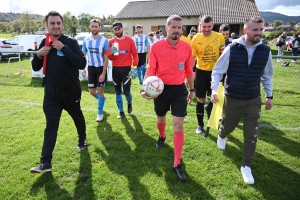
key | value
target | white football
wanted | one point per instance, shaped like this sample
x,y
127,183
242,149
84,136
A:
x,y
153,86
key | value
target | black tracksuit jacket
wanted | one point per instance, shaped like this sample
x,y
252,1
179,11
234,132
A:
x,y
62,73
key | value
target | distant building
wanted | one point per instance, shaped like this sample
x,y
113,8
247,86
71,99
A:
x,y
297,25
286,28
269,28
152,14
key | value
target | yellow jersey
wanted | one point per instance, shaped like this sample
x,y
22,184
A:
x,y
207,49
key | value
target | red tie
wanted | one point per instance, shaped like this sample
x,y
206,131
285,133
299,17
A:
x,y
47,44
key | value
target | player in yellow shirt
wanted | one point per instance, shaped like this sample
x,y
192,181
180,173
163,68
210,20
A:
x,y
206,48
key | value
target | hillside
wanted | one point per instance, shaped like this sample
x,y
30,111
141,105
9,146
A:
x,y
272,16
8,17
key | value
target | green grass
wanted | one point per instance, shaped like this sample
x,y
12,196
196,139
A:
x,y
5,35
122,161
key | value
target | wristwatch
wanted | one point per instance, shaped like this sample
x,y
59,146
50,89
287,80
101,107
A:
x,y
271,97
192,90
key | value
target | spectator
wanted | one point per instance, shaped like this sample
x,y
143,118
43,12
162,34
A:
x,y
295,44
280,45
161,36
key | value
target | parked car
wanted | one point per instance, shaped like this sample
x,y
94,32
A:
x,y
9,46
80,38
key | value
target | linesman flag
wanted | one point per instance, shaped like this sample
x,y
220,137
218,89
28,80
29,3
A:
x,y
217,109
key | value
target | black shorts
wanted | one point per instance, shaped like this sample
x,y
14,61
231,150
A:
x,y
93,77
121,75
174,97
203,79
142,59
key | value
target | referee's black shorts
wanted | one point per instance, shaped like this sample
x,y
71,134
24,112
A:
x,y
173,97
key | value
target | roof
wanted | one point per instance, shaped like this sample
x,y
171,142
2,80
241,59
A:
x,y
231,11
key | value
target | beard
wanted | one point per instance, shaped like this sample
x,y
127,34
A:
x,y
119,34
175,36
95,32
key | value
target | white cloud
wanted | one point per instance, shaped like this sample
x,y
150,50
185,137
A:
x,y
290,11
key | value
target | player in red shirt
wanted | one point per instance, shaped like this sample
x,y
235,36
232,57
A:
x,y
171,60
121,66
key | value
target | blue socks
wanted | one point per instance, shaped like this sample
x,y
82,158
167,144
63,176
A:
x,y
119,102
129,99
101,101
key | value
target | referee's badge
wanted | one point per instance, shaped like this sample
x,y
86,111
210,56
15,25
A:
x,y
181,65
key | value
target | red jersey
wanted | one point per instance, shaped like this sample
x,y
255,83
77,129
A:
x,y
171,64
127,52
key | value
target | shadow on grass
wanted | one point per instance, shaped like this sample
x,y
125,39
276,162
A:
x,y
52,189
84,184
135,163
272,179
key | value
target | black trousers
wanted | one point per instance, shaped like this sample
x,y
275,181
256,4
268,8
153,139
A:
x,y
53,109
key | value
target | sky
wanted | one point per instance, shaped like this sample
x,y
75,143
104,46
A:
x,y
112,7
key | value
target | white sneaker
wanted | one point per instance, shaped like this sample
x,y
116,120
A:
x,y
293,61
247,175
221,143
199,130
99,118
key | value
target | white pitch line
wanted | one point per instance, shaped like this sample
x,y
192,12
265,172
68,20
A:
x,y
34,104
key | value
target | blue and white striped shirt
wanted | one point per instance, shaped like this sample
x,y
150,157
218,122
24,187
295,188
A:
x,y
95,48
141,42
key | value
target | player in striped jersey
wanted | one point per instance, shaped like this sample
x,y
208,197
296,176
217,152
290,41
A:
x,y
97,48
142,47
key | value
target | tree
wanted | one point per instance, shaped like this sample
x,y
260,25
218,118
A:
x,y
16,26
266,23
292,23
277,23
28,22
84,21
70,23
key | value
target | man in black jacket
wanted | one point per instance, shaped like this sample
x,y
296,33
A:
x,y
62,87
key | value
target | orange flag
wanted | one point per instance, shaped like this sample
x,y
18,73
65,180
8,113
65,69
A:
x,y
47,44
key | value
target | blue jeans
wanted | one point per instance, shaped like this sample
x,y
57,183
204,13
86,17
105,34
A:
x,y
279,53
295,52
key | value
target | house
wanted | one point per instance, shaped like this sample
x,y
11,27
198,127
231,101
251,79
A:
x,y
269,28
152,14
286,28
297,25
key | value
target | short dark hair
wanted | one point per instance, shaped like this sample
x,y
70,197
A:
x,y
205,19
157,32
95,20
224,27
172,17
253,20
53,13
138,26
150,34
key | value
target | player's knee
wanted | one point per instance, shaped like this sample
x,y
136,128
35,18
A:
x,y
126,93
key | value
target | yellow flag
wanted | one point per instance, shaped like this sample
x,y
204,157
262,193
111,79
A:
x,y
217,109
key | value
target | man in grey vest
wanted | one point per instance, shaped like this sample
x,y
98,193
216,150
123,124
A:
x,y
247,62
